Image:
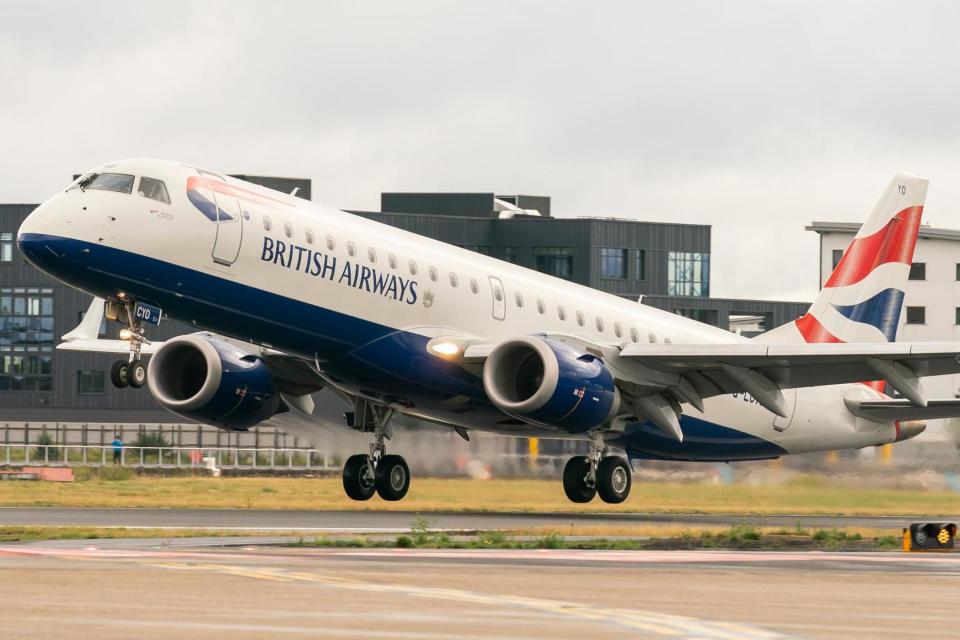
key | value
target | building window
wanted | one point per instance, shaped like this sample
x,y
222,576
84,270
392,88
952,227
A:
x,y
554,261
918,271
90,382
510,255
916,315
6,247
688,274
837,254
26,339
956,316
958,272
641,264
613,263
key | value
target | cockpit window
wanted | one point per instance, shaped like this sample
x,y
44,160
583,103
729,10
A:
x,y
154,189
119,182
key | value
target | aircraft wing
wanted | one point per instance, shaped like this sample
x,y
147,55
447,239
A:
x,y
890,410
716,369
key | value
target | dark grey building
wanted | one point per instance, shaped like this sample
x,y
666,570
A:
x,y
667,264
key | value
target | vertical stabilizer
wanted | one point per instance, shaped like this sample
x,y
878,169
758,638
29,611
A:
x,y
862,299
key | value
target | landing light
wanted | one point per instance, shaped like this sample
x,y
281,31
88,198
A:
x,y
126,334
445,349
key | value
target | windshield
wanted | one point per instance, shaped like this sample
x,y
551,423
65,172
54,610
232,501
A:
x,y
155,189
119,182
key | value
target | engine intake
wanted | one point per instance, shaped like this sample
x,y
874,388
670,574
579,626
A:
x,y
551,383
211,381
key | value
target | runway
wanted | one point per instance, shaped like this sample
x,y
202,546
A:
x,y
395,521
253,592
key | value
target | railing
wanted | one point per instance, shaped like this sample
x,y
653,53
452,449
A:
x,y
38,455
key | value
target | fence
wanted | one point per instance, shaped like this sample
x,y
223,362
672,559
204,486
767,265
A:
x,y
23,455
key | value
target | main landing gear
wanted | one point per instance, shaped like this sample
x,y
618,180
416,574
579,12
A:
x,y
130,371
363,474
586,476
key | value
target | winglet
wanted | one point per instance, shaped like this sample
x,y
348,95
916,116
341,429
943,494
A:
x,y
89,327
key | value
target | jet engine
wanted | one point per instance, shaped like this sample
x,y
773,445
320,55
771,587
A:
x,y
551,383
211,381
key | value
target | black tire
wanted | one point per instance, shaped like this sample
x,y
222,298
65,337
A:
x,y
358,482
120,374
575,480
393,478
614,479
136,374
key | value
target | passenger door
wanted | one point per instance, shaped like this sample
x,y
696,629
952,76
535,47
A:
x,y
229,220
499,299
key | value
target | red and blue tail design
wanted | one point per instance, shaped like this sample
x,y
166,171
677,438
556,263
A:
x,y
862,299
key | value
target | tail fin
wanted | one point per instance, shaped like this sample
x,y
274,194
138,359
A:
x,y
862,299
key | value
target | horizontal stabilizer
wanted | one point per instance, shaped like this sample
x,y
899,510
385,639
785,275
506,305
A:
x,y
891,410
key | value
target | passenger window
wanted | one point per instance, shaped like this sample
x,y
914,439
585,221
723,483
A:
x,y
599,324
267,225
351,249
154,189
392,261
652,338
413,267
119,182
371,254
580,319
433,274
331,243
309,234
518,298
474,287
497,292
287,229
246,214
561,312
668,340
634,335
540,306
617,330
453,279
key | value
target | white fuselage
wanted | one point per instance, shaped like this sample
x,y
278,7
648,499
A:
x,y
374,282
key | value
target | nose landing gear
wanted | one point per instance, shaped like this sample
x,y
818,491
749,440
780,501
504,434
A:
x,y
586,476
363,474
131,371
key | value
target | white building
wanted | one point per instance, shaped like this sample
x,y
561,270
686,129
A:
x,y
932,299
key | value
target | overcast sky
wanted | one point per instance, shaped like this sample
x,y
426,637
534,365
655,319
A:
x,y
755,118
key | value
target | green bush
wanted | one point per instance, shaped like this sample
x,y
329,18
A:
x,y
44,450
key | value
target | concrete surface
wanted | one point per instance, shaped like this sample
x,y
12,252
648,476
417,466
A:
x,y
89,592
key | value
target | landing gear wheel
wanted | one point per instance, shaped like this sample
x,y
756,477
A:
x,y
613,479
136,374
120,374
393,478
358,479
575,480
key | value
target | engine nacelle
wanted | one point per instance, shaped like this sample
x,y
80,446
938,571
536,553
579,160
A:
x,y
211,381
551,383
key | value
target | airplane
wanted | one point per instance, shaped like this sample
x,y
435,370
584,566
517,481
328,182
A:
x,y
292,298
